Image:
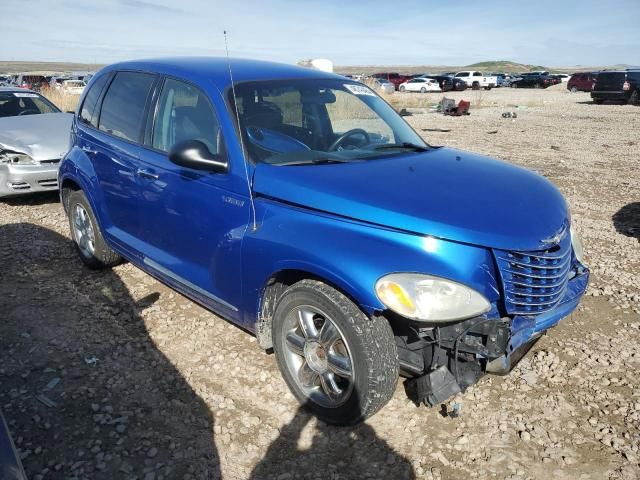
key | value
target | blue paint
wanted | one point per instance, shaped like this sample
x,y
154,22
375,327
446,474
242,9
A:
x,y
441,211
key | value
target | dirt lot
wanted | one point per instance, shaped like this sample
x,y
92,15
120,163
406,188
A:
x,y
112,375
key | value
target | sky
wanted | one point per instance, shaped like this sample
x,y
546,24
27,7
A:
x,y
387,32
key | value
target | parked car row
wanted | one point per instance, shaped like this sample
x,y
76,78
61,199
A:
x,y
459,81
73,82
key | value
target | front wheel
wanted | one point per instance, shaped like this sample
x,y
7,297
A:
x,y
423,90
574,89
340,364
475,86
401,88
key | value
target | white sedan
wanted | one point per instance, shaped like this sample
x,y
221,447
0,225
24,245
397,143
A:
x,y
420,84
73,87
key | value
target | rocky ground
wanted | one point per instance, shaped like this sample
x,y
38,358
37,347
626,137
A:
x,y
112,375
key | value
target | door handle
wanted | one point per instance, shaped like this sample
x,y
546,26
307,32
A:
x,y
147,174
89,150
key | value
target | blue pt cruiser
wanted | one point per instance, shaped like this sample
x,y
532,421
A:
x,y
299,205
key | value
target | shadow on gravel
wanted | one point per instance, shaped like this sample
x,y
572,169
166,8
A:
x,y
345,453
627,220
85,390
33,199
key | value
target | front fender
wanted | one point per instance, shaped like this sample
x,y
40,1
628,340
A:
x,y
350,255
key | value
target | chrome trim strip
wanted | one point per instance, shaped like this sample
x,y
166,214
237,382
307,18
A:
x,y
187,283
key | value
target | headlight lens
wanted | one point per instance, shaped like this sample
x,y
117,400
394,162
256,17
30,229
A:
x,y
578,249
429,298
15,158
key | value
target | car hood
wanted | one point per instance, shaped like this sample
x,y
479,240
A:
x,y
42,137
443,192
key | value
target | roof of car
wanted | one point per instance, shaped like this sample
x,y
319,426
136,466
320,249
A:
x,y
204,69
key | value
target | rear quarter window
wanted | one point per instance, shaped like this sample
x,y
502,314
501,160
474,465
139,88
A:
x,y
88,112
123,107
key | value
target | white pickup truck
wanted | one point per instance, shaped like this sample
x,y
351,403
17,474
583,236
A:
x,y
477,80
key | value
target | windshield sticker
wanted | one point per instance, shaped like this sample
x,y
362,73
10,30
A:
x,y
25,95
359,89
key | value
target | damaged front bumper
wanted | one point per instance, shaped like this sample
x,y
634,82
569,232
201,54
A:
x,y
444,360
23,179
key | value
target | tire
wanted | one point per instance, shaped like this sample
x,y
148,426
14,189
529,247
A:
x,y
86,234
423,90
537,85
634,99
514,85
401,88
598,101
367,344
574,89
475,86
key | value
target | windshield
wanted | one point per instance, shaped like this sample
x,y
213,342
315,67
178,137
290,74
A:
x,y
289,122
24,103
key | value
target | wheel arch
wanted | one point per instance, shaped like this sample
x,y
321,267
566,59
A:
x,y
77,173
275,286
68,185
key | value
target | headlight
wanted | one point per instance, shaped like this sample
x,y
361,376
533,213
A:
x,y
429,298
15,158
576,243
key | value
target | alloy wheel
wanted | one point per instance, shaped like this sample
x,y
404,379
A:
x,y
318,356
83,231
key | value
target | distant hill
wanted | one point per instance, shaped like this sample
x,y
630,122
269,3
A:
x,y
504,66
20,67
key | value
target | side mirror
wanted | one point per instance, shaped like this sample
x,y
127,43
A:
x,y
195,154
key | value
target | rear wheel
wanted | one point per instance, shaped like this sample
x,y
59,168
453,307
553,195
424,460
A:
x,y
340,364
598,101
634,99
401,88
423,90
574,89
86,234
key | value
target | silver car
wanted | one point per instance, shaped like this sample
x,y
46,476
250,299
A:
x,y
34,136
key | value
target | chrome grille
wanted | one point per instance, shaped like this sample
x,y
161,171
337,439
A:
x,y
534,282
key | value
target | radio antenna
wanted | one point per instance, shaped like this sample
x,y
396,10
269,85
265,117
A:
x,y
244,160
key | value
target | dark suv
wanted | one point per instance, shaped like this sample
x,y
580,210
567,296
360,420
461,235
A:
x,y
617,85
581,82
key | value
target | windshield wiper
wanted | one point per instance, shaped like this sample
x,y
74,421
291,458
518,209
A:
x,y
314,161
402,146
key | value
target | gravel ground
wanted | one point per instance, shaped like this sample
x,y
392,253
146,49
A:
x,y
112,375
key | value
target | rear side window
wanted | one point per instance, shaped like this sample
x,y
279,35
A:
x,y
477,74
184,113
634,76
88,112
123,106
